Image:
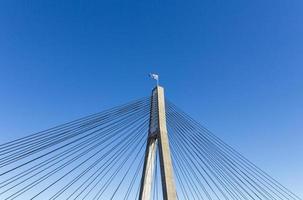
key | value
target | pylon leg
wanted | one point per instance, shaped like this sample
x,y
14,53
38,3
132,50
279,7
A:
x,y
148,169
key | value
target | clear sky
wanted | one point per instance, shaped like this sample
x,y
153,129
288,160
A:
x,y
236,66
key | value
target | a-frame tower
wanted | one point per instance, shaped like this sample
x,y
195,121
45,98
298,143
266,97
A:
x,y
158,138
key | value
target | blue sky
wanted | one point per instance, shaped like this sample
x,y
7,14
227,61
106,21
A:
x,y
236,66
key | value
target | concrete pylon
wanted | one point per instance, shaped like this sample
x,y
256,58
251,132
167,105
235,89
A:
x,y
157,138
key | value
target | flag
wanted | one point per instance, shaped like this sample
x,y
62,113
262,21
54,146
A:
x,y
154,76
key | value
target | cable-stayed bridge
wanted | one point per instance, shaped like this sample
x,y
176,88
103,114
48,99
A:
x,y
146,149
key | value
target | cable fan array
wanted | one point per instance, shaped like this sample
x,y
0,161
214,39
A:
x,y
207,168
96,157
101,157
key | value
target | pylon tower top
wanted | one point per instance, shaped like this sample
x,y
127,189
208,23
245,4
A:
x,y
158,138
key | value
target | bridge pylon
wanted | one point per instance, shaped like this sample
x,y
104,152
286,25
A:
x,y
158,138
